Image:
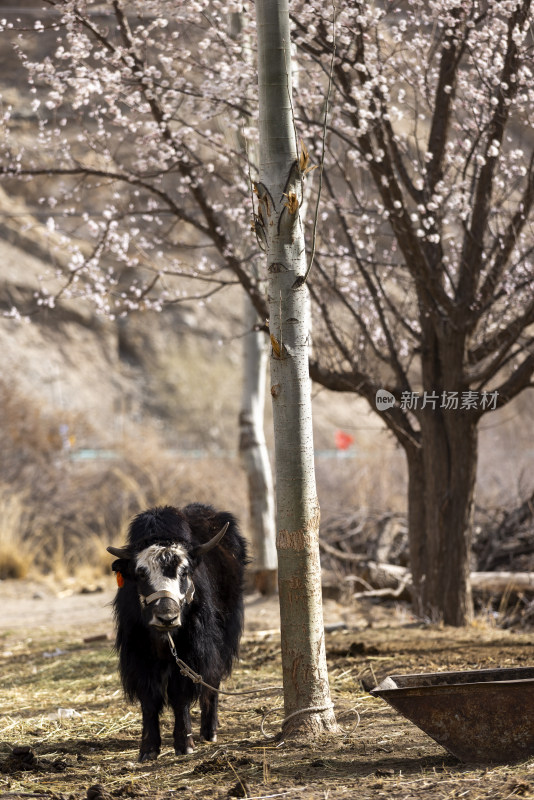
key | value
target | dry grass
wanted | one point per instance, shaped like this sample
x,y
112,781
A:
x,y
16,551
376,754
57,515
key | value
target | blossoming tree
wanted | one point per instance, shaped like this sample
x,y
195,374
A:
x,y
424,278
423,274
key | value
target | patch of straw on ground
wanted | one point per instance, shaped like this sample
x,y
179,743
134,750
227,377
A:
x,y
61,698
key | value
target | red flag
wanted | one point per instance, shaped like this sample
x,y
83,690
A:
x,y
343,440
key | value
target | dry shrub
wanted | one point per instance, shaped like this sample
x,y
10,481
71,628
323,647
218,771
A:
x,y
58,514
16,553
28,439
94,503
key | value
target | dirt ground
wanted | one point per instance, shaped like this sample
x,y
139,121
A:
x,y
66,731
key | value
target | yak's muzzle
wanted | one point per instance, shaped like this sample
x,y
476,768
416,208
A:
x,y
167,606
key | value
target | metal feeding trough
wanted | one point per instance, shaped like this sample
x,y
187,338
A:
x,y
479,716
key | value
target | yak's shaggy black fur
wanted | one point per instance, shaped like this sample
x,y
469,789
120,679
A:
x,y
211,624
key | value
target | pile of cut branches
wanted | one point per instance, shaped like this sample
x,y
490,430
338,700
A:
x,y
505,541
365,554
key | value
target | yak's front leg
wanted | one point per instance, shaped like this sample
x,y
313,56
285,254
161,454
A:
x,y
209,704
183,737
180,699
150,738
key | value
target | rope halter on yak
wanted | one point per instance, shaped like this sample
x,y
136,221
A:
x,y
146,600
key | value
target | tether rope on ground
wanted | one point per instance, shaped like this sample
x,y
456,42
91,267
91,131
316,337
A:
x,y
186,670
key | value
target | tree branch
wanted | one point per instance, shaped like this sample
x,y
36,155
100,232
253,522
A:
x,y
393,359
360,383
471,258
509,239
451,54
91,172
520,379
502,340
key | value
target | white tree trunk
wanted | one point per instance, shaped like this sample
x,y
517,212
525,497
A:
x,y
252,444
254,455
305,677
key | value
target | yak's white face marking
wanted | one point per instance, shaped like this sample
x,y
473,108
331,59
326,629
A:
x,y
163,568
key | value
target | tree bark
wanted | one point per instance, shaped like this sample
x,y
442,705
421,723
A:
x,y
307,703
252,444
441,484
254,455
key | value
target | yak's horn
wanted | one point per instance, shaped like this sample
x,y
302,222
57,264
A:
x,y
120,552
205,548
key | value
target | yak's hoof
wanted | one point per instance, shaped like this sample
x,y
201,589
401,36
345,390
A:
x,y
184,751
212,738
186,748
149,755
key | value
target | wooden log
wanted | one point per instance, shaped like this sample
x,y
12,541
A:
x,y
390,580
501,582
353,558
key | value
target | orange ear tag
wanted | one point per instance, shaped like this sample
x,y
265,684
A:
x,y
120,580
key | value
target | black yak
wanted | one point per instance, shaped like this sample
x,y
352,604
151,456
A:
x,y
181,573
